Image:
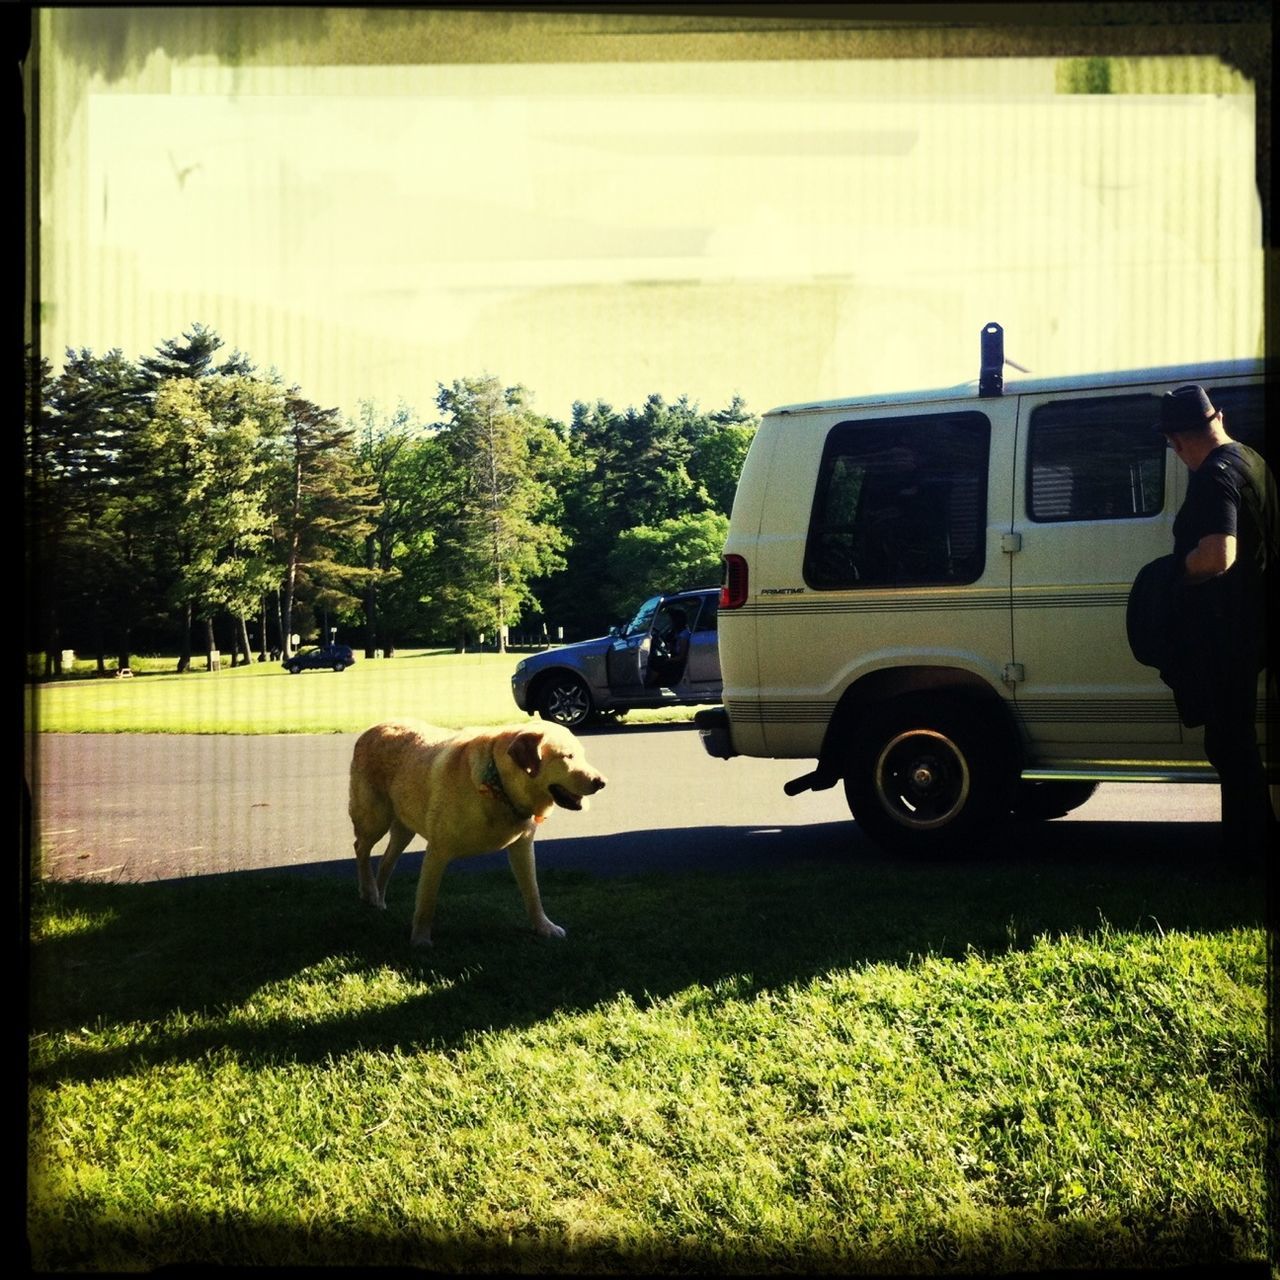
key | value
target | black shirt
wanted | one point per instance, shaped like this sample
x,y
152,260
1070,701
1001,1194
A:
x,y
1231,492
1232,480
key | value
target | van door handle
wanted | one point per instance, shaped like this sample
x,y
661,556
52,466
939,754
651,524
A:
x,y
1010,542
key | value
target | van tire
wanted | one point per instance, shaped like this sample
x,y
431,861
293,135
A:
x,y
926,774
1040,801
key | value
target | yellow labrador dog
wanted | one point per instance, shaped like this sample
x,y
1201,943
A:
x,y
467,792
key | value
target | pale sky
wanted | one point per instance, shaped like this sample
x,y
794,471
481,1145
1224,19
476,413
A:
x,y
784,230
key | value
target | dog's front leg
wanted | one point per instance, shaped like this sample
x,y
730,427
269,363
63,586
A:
x,y
396,845
520,856
424,906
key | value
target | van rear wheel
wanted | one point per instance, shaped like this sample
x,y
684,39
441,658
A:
x,y
1040,801
927,775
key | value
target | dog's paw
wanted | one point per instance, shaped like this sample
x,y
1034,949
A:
x,y
548,930
422,939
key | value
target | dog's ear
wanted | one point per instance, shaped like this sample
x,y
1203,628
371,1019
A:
x,y
524,750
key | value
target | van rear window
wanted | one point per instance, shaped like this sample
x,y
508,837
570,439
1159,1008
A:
x,y
900,502
1095,458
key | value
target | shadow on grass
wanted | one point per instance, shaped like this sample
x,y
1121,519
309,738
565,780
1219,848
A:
x,y
1103,1246
763,909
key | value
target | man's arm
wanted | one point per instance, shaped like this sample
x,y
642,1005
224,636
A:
x,y
1214,554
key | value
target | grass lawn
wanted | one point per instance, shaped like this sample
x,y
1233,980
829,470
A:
x,y
440,687
867,1068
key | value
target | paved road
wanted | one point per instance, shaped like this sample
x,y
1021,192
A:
x,y
134,807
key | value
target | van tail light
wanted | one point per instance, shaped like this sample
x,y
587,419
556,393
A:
x,y
733,588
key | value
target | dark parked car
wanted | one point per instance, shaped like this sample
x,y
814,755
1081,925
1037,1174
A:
x,y
667,655
331,657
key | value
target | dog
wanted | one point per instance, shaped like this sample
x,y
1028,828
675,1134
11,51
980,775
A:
x,y
465,792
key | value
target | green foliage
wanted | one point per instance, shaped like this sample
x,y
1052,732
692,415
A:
x,y
181,488
328,512
679,553
402,466
209,440
86,472
1084,75
717,462
638,471
1150,75
496,513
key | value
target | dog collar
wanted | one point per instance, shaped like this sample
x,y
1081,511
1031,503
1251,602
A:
x,y
491,784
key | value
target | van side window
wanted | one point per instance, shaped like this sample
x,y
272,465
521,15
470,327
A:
x,y
1095,458
900,502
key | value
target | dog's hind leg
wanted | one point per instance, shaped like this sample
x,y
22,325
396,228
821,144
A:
x,y
520,856
370,817
396,845
364,873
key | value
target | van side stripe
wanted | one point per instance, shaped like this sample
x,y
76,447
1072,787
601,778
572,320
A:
x,y
1032,710
1027,598
1097,711
845,604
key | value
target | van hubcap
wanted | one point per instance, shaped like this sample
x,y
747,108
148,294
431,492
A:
x,y
922,779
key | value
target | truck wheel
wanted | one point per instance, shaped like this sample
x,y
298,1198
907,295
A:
x,y
564,699
927,775
1039,801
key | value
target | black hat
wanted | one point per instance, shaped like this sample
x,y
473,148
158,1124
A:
x,y
1186,409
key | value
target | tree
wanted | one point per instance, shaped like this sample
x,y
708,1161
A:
x,y
41,510
209,438
719,452
326,509
677,554
191,357
634,470
499,528
400,463
98,572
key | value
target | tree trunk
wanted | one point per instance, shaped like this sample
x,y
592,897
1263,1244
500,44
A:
x,y
280,633
286,625
123,655
210,644
262,645
291,565
99,640
370,601
242,638
184,658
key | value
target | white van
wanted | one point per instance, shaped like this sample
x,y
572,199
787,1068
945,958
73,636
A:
x,y
926,594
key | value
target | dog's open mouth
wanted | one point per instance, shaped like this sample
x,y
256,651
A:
x,y
564,798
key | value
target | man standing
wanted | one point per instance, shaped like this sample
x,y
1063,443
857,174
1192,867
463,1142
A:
x,y
1226,537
